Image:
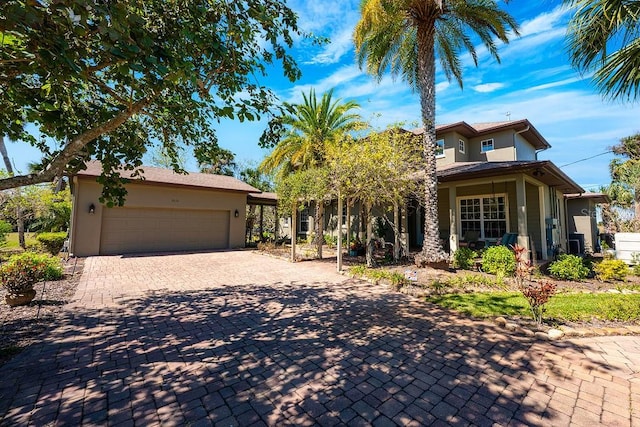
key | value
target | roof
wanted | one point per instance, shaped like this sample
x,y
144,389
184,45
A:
x,y
524,127
167,176
595,197
265,198
541,170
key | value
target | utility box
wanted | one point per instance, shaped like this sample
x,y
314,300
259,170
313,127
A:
x,y
627,244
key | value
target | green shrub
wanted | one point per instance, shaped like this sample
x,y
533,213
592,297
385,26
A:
x,y
611,269
330,240
463,258
569,267
52,242
22,271
499,260
635,260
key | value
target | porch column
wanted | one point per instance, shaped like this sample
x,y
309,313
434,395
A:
x,y
543,225
453,222
294,234
521,200
262,223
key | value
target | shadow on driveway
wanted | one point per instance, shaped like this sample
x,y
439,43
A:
x,y
299,354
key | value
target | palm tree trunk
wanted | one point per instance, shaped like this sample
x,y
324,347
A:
x,y
431,248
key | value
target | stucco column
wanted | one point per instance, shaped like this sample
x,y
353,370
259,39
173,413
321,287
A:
x,y
294,234
543,225
453,221
404,229
521,202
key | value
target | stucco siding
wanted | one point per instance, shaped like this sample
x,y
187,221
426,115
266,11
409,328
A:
x,y
87,228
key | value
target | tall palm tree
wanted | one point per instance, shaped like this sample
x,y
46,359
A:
x,y
312,127
403,37
604,36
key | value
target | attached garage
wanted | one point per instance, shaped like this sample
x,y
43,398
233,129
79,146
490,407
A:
x,y
165,212
131,230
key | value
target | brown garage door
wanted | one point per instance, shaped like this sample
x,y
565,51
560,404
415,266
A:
x,y
130,230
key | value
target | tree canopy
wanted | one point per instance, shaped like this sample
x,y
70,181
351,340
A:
x,y
403,37
106,79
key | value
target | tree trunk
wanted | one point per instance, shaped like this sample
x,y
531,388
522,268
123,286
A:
x,y
5,156
370,243
20,223
72,148
396,232
431,248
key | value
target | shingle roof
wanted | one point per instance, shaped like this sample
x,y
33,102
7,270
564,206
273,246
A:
x,y
167,176
542,170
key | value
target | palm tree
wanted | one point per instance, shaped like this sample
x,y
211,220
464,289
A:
x,y
403,37
312,127
598,27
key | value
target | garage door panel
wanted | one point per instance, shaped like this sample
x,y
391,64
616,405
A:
x,y
130,230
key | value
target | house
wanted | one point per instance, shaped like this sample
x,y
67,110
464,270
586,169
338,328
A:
x,y
491,182
164,212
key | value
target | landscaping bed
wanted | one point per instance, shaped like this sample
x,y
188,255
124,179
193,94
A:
x,y
22,326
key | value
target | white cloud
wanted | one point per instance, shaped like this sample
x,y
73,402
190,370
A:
x,y
558,83
545,22
340,45
488,87
442,86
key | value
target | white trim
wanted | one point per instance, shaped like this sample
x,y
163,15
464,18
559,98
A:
x,y
482,149
440,156
482,196
463,144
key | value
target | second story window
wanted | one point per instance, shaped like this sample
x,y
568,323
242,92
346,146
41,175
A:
x,y
461,147
486,145
439,148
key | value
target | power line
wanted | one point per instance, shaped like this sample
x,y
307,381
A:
x,y
588,158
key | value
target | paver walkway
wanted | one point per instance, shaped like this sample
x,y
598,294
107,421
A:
x,y
236,338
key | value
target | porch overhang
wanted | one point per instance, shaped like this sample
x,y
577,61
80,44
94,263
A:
x,y
541,170
262,199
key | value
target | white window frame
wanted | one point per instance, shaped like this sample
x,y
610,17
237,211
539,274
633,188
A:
x,y
482,145
461,146
482,218
440,143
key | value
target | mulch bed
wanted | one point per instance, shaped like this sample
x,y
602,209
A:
x,y
22,326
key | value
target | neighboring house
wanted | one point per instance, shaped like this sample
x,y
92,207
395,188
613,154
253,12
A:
x,y
164,212
490,182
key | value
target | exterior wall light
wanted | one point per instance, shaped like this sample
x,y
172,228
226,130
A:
x,y
92,209
236,213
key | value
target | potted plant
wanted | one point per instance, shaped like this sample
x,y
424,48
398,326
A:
x,y
356,248
18,276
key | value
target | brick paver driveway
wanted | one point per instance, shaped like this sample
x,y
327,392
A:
x,y
236,338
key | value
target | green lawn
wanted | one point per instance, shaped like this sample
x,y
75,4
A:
x,y
12,240
567,307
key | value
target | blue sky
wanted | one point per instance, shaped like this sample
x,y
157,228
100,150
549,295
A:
x,y
534,80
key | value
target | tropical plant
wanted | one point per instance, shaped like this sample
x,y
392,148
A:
x,y
604,36
403,37
311,128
